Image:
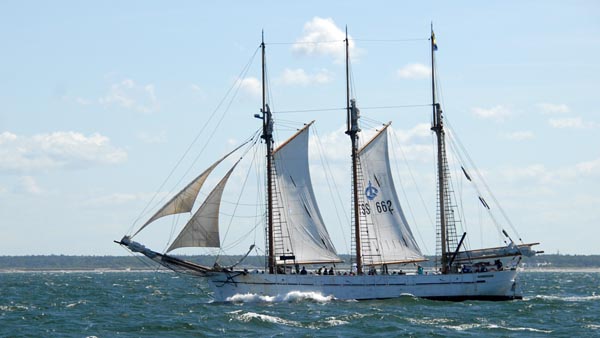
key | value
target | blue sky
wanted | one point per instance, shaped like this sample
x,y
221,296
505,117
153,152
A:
x,y
100,100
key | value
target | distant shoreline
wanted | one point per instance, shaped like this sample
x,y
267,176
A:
x,y
63,263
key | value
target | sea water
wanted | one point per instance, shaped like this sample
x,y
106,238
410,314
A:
x,y
159,304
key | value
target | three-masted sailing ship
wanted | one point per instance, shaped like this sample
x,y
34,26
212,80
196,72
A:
x,y
382,239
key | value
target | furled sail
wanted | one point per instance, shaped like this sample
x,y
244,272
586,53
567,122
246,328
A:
x,y
184,200
303,233
202,230
389,239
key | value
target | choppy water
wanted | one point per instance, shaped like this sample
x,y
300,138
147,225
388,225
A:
x,y
136,304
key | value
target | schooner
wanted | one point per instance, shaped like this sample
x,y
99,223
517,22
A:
x,y
296,234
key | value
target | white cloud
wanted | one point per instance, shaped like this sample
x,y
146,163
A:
x,y
519,135
119,198
497,113
250,86
129,95
321,36
199,91
529,172
7,137
196,88
412,144
29,185
414,71
588,167
82,101
563,175
56,150
421,130
152,138
300,77
334,145
571,122
550,108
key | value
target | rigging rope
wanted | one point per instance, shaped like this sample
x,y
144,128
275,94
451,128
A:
x,y
472,163
237,84
361,108
239,195
417,188
349,39
330,178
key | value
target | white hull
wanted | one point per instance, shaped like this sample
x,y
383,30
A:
x,y
494,285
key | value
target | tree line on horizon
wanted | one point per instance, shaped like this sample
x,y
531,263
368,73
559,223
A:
x,y
64,262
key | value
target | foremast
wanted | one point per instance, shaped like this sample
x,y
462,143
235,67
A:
x,y
352,131
438,127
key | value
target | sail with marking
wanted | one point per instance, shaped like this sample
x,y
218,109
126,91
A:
x,y
202,230
389,238
184,200
303,233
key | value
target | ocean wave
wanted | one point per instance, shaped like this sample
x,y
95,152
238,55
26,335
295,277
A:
x,y
335,322
11,308
528,329
301,296
250,298
79,302
470,326
292,296
429,321
461,327
249,316
567,298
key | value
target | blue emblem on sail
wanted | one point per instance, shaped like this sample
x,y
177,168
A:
x,y
371,192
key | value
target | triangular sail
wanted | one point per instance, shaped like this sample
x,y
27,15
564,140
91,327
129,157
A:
x,y
303,233
184,200
390,239
202,230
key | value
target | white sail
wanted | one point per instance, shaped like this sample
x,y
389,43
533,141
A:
x,y
202,230
389,238
184,200
303,233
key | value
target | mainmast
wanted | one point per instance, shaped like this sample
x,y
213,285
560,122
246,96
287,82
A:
x,y
268,137
438,127
352,130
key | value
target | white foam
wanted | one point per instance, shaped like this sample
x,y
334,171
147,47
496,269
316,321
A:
x,y
404,294
569,298
292,296
248,316
249,298
335,322
529,329
301,296
76,303
10,308
464,327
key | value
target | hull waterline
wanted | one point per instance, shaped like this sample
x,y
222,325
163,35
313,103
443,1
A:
x,y
495,285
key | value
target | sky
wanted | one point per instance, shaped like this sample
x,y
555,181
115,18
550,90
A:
x,y
107,107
